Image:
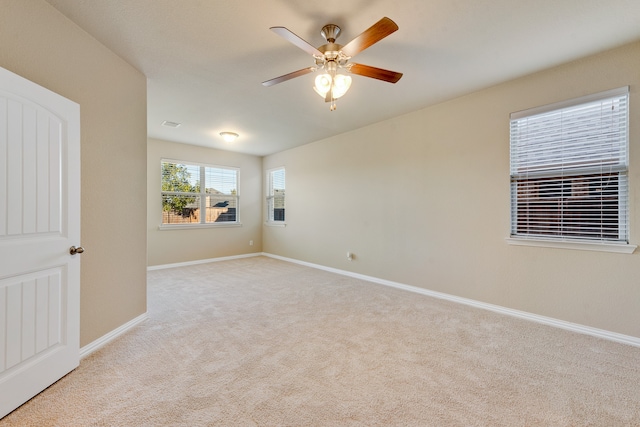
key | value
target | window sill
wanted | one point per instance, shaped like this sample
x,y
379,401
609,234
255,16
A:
x,y
275,224
190,226
563,244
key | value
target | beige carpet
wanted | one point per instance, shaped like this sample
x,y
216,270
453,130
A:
x,y
261,342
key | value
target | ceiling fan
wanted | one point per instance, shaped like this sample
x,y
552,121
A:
x,y
333,58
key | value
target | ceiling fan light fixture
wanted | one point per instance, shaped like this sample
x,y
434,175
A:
x,y
338,85
341,85
229,136
323,84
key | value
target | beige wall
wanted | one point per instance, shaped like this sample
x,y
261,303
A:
x,y
43,46
423,199
175,246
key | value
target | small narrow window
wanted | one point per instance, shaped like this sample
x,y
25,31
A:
x,y
198,194
275,195
569,170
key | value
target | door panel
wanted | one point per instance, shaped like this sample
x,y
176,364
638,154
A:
x,y
39,221
32,322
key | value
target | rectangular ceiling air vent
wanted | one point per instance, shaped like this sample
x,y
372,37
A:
x,y
171,124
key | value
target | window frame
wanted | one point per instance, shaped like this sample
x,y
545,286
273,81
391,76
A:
x,y
202,195
270,198
564,239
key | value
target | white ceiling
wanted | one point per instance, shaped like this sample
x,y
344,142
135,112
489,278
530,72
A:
x,y
205,59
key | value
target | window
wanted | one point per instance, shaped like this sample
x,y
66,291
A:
x,y
199,194
275,195
569,166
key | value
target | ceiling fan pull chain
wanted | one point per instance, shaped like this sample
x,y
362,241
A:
x,y
333,100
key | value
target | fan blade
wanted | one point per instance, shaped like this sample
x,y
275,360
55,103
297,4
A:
x,y
291,37
375,73
374,34
289,76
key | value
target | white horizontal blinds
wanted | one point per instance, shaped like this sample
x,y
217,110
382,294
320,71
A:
x,y
180,178
569,169
221,180
180,193
276,196
592,134
222,194
587,207
277,181
198,194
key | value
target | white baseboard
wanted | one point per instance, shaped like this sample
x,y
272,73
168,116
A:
x,y
107,338
575,327
202,261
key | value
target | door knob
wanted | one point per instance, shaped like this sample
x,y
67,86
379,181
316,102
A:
x,y
73,250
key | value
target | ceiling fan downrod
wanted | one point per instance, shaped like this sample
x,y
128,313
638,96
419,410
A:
x,y
330,32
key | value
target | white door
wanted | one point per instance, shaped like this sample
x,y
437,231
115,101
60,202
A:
x,y
39,222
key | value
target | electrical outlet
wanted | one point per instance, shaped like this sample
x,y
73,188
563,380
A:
x,y
349,256
250,242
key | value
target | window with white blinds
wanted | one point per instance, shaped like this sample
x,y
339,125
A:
x,y
199,194
569,178
275,195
